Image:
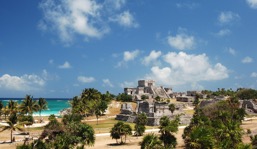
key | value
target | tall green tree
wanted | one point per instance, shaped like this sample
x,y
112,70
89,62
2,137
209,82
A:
x,y
100,108
151,141
42,105
120,130
91,102
28,105
167,128
141,121
87,102
12,125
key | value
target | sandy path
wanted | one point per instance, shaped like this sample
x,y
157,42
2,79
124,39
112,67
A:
x,y
105,141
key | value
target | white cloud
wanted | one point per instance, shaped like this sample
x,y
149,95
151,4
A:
x,y
254,74
66,65
73,16
47,76
182,41
84,79
107,82
128,56
86,18
252,3
127,84
51,61
185,68
187,5
125,19
117,4
152,57
232,51
22,83
196,86
223,32
247,59
228,17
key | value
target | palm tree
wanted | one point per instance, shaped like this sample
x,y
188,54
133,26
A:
x,y
200,137
28,105
151,141
86,133
86,104
167,127
141,121
119,130
172,108
12,106
12,125
42,105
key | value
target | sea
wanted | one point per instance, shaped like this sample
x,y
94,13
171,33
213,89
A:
x,y
55,105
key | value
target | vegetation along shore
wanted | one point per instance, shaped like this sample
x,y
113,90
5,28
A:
x,y
90,123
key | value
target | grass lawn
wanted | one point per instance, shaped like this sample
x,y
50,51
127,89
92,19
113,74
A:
x,y
104,126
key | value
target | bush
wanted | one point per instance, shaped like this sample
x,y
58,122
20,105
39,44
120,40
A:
x,y
124,97
144,97
26,118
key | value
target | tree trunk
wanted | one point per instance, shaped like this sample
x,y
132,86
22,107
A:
x,y
11,135
40,115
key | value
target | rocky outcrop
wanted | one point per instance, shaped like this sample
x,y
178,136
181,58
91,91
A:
x,y
65,111
249,105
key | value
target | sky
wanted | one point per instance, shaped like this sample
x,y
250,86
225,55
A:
x,y
58,48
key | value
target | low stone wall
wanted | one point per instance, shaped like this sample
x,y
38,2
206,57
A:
x,y
152,121
122,117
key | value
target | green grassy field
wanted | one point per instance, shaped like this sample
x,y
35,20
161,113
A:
x,y
104,126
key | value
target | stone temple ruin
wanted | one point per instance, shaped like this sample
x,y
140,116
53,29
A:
x,y
148,88
154,112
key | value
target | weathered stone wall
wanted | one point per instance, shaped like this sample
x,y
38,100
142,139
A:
x,y
143,107
249,104
154,112
122,117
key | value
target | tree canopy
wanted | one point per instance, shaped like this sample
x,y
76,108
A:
x,y
141,121
216,125
120,130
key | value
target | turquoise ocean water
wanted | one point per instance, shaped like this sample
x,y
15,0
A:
x,y
54,105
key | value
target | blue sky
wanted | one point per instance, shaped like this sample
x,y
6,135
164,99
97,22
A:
x,y
58,48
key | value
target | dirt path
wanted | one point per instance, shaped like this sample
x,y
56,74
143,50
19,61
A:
x,y
105,141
